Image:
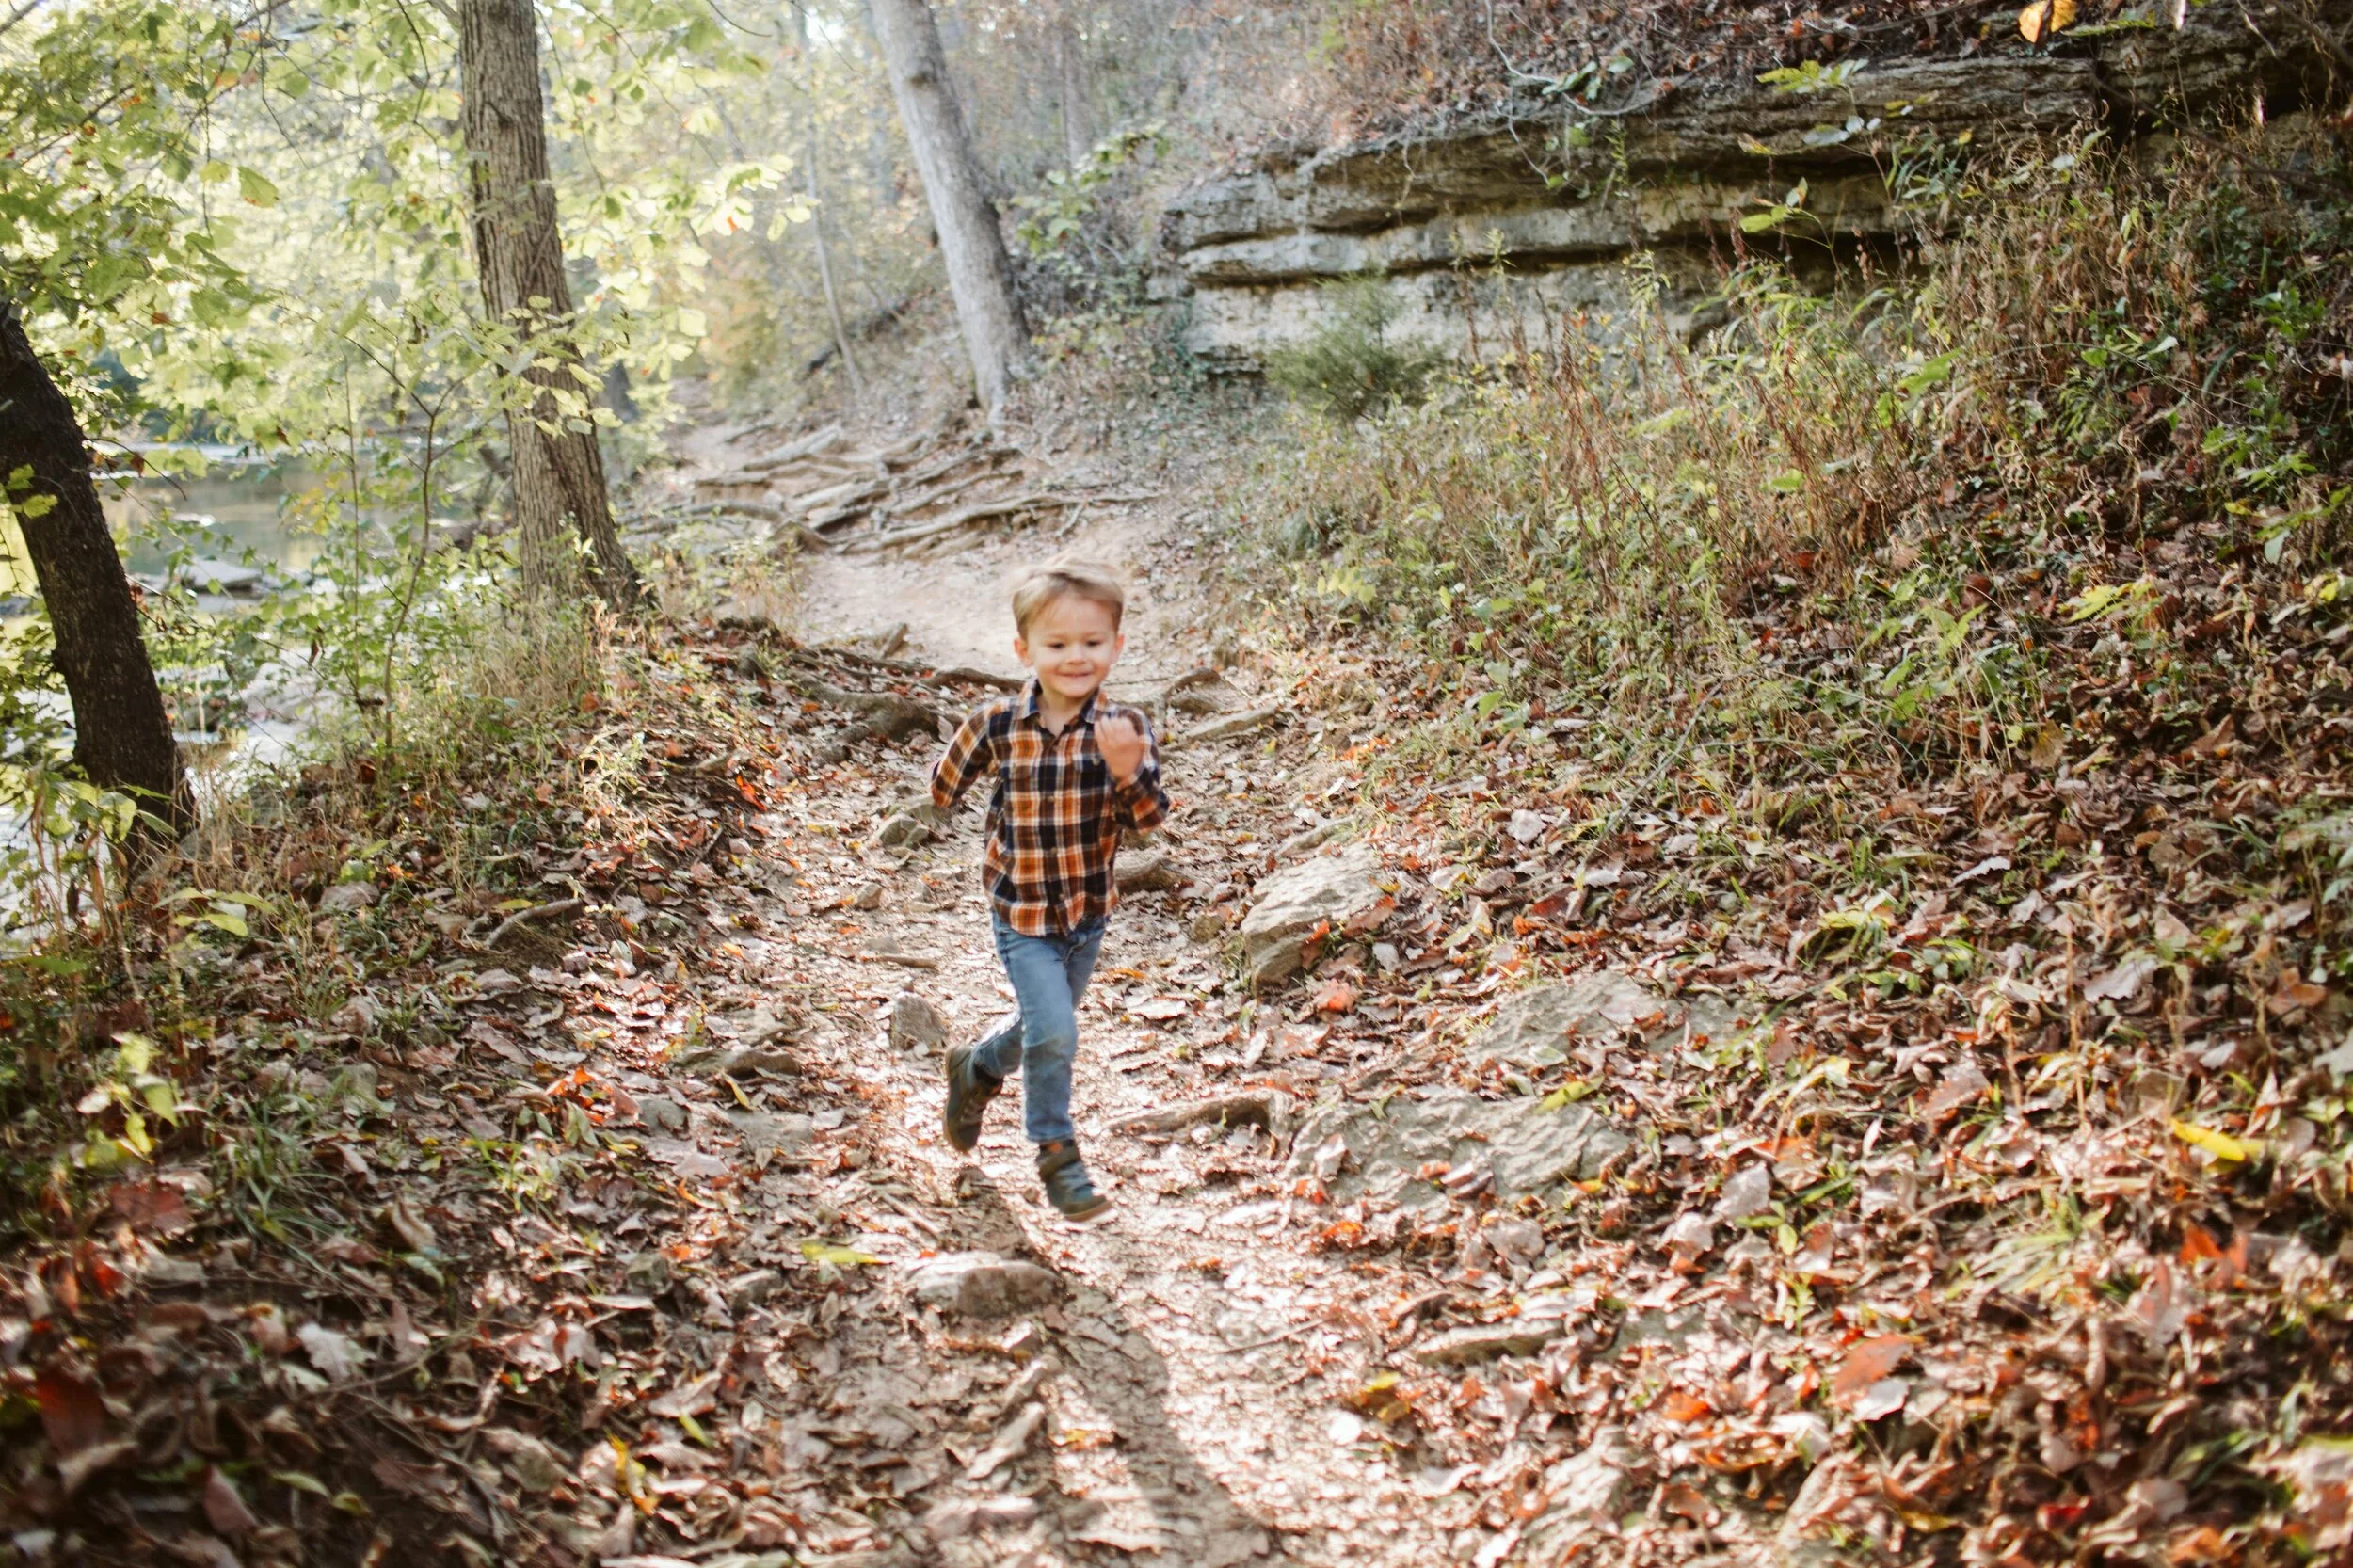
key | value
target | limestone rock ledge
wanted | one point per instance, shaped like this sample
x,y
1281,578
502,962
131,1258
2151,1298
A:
x,y
1504,230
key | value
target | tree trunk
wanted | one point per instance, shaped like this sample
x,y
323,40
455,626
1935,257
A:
x,y
121,736
1070,67
559,476
816,208
980,275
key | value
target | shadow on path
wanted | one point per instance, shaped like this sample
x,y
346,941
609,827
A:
x,y
1167,1501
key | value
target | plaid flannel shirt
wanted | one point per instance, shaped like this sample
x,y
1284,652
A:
x,y
1056,817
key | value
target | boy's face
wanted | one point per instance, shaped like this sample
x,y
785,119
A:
x,y
1071,645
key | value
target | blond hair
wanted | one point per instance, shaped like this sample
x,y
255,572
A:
x,y
1065,579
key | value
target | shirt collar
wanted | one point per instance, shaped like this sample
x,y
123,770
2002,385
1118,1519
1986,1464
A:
x,y
1033,693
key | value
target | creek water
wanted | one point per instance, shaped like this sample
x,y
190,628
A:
x,y
233,514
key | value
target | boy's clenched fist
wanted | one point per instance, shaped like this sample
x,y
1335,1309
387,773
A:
x,y
1121,741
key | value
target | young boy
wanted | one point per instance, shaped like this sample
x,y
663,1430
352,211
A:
x,y
1074,773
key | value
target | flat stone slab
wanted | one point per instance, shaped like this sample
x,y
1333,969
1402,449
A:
x,y
985,1284
774,1132
1538,1026
1345,893
1528,1148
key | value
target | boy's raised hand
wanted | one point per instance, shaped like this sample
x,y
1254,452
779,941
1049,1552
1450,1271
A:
x,y
1120,739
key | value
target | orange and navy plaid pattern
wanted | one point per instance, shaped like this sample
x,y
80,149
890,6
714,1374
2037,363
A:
x,y
1055,820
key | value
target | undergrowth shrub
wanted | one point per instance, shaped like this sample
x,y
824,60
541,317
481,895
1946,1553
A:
x,y
1348,366
2093,353
488,750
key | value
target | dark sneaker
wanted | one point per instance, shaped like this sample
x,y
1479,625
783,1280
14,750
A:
x,y
1068,1186
970,1090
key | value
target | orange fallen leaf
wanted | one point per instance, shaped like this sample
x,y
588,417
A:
x,y
1867,1361
2198,1245
1678,1406
2296,995
72,1417
1337,995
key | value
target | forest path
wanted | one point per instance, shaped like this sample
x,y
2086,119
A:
x,y
1177,1368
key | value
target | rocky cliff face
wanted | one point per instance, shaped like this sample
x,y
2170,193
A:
x,y
1519,228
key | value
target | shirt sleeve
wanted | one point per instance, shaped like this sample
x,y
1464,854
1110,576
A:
x,y
968,756
1141,804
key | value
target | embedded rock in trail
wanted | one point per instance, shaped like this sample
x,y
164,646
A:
x,y
982,1284
1537,1026
918,825
916,1024
659,1113
1149,872
769,1132
1341,894
1524,1146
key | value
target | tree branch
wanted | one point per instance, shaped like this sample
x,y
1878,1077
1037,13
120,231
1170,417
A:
x,y
27,9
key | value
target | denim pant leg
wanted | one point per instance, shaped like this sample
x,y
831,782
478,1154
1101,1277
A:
x,y
1049,974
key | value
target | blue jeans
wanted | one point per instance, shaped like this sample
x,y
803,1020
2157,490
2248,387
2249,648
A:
x,y
1049,975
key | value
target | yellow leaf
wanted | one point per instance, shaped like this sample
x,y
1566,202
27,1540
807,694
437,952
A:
x,y
2039,20
2221,1144
825,1252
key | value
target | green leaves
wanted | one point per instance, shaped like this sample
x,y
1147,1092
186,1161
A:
x,y
255,187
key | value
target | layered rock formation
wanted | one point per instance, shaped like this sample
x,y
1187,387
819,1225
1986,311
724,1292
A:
x,y
1515,229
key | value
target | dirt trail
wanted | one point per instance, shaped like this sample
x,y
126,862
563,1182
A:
x,y
1184,1419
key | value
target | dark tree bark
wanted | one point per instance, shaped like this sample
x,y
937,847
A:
x,y
121,735
980,275
559,477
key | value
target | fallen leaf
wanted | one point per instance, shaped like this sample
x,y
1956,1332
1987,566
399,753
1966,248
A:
x,y
1884,1398
75,1469
335,1355
2162,1306
691,1398
1337,996
429,1481
225,1507
207,1551
1867,1361
2221,1144
1961,1083
151,1208
2295,995
350,1249
2040,19
269,1330
1680,1407
409,1227
2122,983
72,1415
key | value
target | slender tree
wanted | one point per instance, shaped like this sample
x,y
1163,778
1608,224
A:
x,y
121,735
980,275
560,488
1071,89
817,205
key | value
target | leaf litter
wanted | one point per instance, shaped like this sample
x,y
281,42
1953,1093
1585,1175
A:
x,y
1991,1222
